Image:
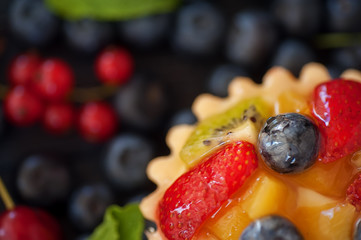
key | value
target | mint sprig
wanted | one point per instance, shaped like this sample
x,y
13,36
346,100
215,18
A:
x,y
120,223
110,9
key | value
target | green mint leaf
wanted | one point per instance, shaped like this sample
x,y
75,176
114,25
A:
x,y
120,223
110,9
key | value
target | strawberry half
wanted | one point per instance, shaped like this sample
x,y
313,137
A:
x,y
336,107
353,193
198,193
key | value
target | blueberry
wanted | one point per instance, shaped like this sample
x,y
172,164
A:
x,y
251,38
146,31
126,160
141,103
184,116
88,204
298,17
289,143
221,77
43,180
344,16
272,227
199,29
293,55
87,35
83,237
348,57
32,22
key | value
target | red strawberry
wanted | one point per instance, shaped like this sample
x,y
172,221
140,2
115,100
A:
x,y
353,193
336,107
198,193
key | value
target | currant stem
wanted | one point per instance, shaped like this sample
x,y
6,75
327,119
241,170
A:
x,y
4,194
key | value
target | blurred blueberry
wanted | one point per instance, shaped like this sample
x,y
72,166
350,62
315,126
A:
x,y
221,77
251,38
141,103
334,71
32,22
87,35
43,180
298,17
83,237
344,15
184,116
348,57
199,29
146,31
88,204
126,160
293,55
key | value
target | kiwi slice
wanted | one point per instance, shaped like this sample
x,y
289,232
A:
x,y
222,128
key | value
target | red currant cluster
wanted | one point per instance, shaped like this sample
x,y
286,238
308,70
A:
x,y
41,89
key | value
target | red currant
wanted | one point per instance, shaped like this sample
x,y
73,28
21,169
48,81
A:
x,y
22,107
23,67
54,80
114,66
97,121
25,223
59,118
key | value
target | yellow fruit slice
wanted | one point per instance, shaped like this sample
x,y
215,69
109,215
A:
x,y
230,225
333,221
266,196
331,179
205,234
291,101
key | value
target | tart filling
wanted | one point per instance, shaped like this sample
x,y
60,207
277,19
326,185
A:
x,y
314,199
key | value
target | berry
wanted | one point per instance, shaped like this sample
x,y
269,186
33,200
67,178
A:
x,y
289,143
114,65
54,80
251,39
97,121
59,118
198,193
353,193
88,204
31,224
336,106
126,160
32,22
87,35
348,57
199,28
146,31
184,116
142,103
22,107
221,77
293,55
298,17
23,67
43,180
272,227
343,16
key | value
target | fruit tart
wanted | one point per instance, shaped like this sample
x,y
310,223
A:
x,y
277,160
